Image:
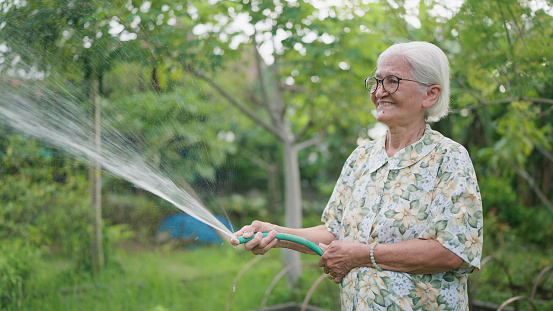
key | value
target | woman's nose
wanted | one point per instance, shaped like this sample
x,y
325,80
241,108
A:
x,y
380,91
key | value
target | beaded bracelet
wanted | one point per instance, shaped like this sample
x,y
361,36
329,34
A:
x,y
372,257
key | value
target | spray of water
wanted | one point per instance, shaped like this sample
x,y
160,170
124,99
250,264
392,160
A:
x,y
59,119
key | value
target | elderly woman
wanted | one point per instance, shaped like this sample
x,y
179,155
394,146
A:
x,y
403,227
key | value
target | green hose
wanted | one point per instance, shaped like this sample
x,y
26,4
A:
x,y
291,238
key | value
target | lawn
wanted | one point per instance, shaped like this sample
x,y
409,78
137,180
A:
x,y
176,279
202,278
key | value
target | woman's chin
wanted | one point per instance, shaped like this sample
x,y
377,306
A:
x,y
382,116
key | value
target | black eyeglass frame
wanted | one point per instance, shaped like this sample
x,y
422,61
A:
x,y
381,82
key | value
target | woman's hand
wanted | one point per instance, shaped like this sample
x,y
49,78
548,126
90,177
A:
x,y
258,245
337,259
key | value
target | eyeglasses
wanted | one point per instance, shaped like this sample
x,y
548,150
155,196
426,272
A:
x,y
389,83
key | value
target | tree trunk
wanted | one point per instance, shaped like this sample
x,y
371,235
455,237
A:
x,y
293,211
273,195
547,176
292,185
155,81
96,183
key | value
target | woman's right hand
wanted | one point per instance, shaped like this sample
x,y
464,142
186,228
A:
x,y
259,245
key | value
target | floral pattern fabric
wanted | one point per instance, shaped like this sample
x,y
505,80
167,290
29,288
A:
x,y
427,190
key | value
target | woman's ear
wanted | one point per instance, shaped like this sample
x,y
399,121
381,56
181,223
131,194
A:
x,y
431,95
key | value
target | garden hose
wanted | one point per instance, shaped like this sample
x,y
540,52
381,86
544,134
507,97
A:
x,y
291,238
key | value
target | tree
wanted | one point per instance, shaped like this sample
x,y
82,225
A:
x,y
501,100
508,87
295,90
69,37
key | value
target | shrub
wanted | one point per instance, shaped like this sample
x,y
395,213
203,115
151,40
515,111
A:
x,y
16,265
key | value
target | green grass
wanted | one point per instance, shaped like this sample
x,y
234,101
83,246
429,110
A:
x,y
156,280
202,279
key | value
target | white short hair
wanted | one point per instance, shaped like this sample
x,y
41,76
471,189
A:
x,y
429,65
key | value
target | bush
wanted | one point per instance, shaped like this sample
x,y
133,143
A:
x,y
16,265
137,211
243,209
536,226
498,196
506,217
43,202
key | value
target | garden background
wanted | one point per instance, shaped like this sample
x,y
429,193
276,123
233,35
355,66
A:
x,y
252,107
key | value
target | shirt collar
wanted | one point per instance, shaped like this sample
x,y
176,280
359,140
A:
x,y
406,156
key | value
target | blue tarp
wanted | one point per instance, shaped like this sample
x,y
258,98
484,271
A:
x,y
186,227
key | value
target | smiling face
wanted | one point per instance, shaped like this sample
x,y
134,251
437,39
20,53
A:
x,y
407,105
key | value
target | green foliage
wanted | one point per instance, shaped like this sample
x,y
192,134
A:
x,y
44,200
243,209
39,187
503,276
134,212
179,132
501,98
501,92
535,226
17,262
75,35
42,204
497,193
126,80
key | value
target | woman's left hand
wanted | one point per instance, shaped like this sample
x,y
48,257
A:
x,y
337,259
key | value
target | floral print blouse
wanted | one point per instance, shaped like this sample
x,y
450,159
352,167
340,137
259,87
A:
x,y
427,190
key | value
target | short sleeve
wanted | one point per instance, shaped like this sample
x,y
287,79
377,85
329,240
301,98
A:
x,y
341,194
456,219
